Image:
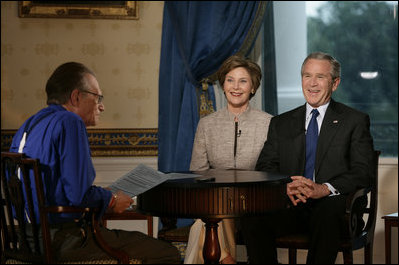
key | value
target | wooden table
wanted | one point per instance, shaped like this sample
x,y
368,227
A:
x,y
232,193
390,221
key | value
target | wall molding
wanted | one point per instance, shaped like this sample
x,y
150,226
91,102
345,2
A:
x,y
110,142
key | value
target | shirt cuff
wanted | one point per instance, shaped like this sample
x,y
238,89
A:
x,y
332,189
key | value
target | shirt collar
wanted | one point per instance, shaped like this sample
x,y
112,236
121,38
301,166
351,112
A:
x,y
322,109
56,107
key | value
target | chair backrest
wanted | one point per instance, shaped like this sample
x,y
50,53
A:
x,y
17,209
25,236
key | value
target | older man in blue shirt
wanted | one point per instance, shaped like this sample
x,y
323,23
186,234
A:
x,y
57,136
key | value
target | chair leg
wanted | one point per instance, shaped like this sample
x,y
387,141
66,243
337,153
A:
x,y
292,255
348,256
368,254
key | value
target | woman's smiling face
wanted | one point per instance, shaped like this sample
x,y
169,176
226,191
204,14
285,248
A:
x,y
237,88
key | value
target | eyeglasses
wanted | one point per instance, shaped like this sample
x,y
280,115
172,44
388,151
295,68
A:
x,y
99,99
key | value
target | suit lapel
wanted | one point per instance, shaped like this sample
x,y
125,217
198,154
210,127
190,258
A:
x,y
333,120
298,135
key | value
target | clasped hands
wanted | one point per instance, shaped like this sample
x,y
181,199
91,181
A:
x,y
301,189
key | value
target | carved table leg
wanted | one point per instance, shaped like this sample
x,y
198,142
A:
x,y
211,251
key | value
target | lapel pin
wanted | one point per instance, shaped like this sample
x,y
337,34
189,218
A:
x,y
335,121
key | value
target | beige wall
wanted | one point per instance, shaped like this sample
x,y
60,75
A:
x,y
124,54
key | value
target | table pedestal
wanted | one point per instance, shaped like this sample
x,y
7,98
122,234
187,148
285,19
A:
x,y
211,251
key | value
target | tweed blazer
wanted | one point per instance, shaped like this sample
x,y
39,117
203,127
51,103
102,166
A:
x,y
215,138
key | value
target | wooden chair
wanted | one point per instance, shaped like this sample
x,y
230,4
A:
x,y
14,230
357,235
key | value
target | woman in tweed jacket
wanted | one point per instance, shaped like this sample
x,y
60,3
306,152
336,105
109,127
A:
x,y
230,138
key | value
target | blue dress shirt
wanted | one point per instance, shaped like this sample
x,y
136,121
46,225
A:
x,y
59,140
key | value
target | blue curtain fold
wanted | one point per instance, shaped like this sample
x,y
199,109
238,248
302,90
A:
x,y
196,38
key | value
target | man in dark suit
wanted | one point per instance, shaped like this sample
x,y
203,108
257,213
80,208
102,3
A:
x,y
341,163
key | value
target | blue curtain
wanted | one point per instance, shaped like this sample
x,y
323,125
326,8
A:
x,y
196,38
270,102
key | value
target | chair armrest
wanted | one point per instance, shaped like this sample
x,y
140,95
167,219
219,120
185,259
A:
x,y
128,214
353,217
66,209
352,197
120,255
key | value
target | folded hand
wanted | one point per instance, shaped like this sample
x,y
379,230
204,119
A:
x,y
301,189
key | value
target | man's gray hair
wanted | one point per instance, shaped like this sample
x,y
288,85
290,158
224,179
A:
x,y
335,65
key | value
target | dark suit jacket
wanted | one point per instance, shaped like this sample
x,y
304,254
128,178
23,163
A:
x,y
344,150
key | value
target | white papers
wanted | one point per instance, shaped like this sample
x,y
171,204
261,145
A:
x,y
143,178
